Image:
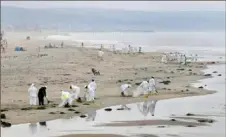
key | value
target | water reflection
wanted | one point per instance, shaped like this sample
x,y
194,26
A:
x,y
33,128
147,106
124,107
91,116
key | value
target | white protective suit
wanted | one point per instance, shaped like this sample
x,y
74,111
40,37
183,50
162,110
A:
x,y
33,91
152,84
66,98
75,92
93,86
124,87
183,59
178,58
100,54
143,88
89,94
164,58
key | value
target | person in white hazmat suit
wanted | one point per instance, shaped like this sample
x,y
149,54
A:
x,y
92,87
152,84
91,90
124,88
164,58
184,59
100,54
66,98
143,88
33,94
75,92
89,94
178,58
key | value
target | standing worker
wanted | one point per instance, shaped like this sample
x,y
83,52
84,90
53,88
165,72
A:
x,y
164,58
139,49
152,84
82,44
113,49
89,94
143,88
100,54
62,44
32,95
92,88
101,47
41,95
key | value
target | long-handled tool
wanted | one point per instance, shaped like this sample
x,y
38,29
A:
x,y
47,100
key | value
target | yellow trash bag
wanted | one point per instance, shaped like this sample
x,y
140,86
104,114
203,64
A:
x,y
146,95
64,95
153,93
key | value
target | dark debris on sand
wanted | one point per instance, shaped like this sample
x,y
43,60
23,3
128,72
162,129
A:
x,y
28,108
5,124
191,126
3,116
70,109
165,82
77,112
41,108
207,75
108,109
62,112
83,116
3,110
205,120
190,114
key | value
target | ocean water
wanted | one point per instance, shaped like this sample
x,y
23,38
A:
x,y
188,42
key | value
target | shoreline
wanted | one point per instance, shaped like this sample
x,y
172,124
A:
x,y
156,123
133,68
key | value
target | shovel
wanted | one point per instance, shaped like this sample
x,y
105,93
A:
x,y
47,100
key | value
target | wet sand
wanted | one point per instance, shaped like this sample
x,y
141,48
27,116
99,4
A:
x,y
93,135
59,67
106,135
172,122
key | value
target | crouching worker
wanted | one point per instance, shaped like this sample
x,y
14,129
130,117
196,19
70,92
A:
x,y
142,89
124,88
41,95
66,99
75,93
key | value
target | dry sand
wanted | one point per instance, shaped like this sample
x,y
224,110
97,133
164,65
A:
x,y
72,65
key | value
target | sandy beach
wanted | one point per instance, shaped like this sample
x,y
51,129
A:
x,y
59,67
